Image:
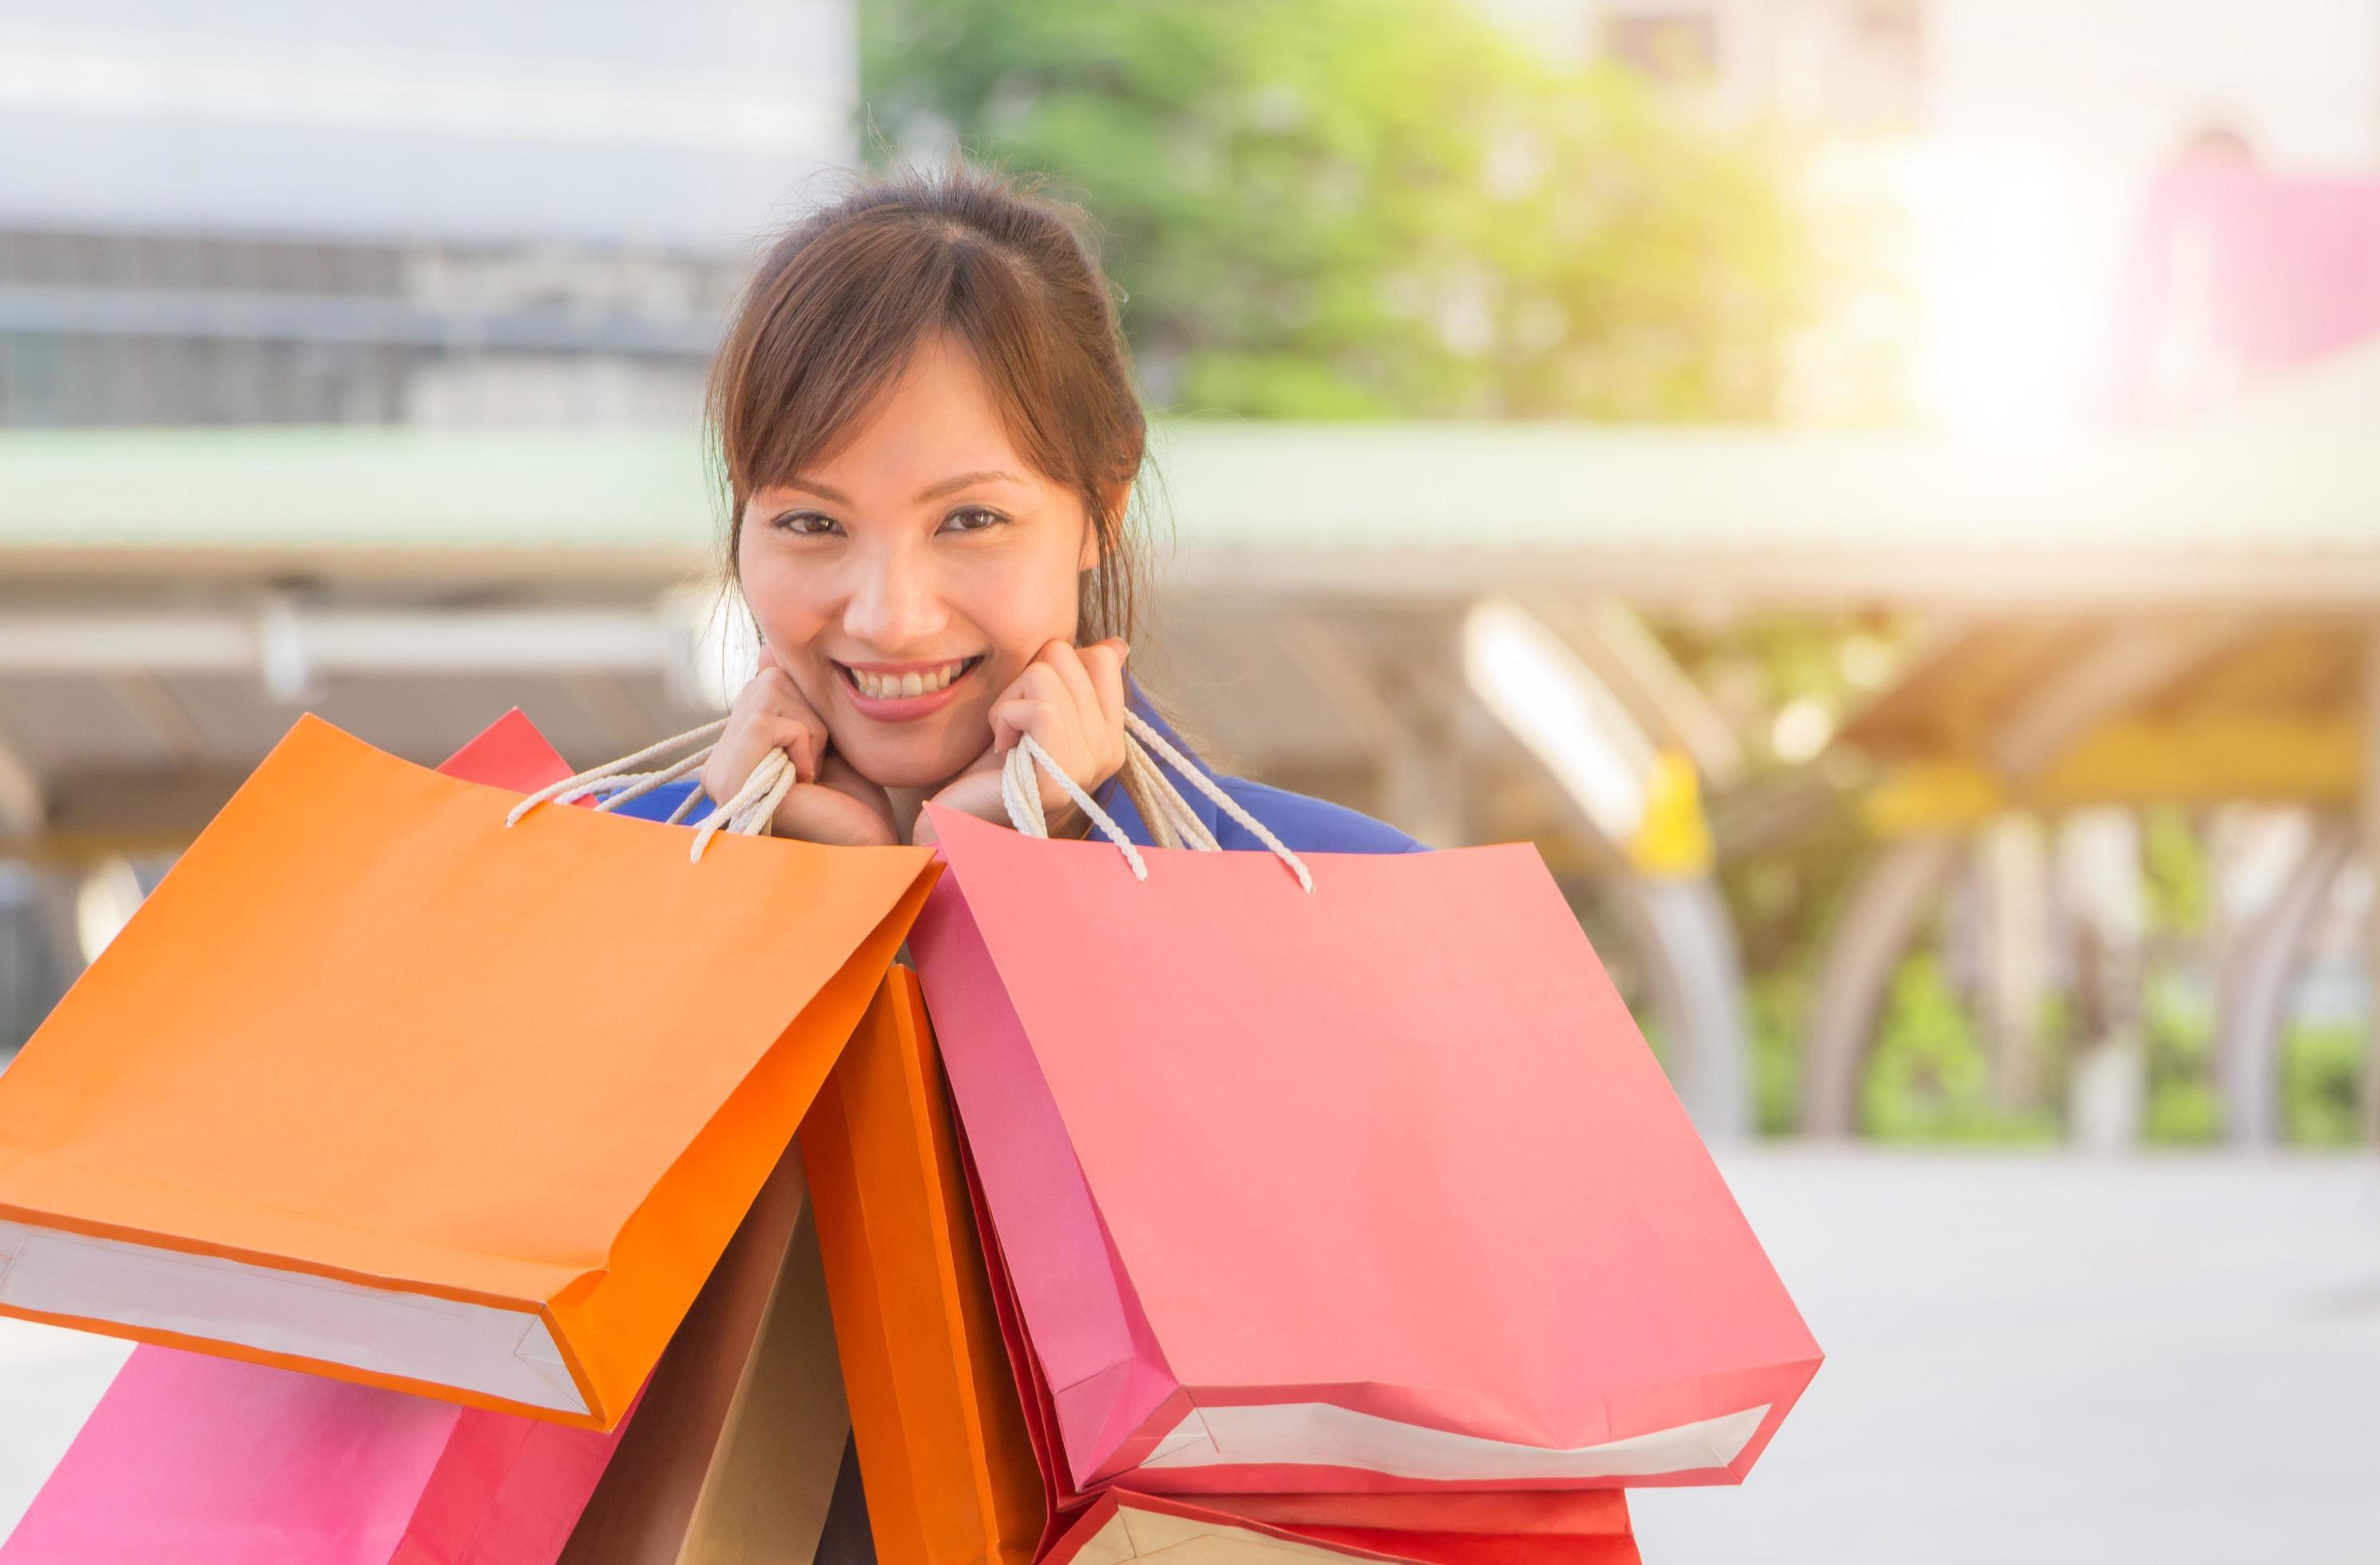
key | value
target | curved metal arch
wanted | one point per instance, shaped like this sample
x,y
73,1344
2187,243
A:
x,y
2259,965
1894,893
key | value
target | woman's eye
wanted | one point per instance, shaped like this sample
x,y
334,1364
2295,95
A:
x,y
972,518
805,524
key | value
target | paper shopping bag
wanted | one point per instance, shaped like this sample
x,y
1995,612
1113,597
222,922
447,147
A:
x,y
1120,1526
1374,1187
948,1474
1441,1526
207,1460
510,753
217,1462
733,1455
376,1086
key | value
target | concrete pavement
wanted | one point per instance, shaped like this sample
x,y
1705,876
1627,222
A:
x,y
2031,1358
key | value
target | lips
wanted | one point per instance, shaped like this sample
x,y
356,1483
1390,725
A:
x,y
904,684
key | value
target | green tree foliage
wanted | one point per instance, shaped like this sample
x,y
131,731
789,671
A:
x,y
1366,208
2321,1071
1929,1079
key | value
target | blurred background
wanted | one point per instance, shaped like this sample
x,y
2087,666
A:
x,y
1885,494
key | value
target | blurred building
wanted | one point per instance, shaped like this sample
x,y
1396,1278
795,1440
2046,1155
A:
x,y
2122,80
424,213
2003,170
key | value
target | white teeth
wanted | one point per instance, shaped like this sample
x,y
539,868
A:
x,y
900,686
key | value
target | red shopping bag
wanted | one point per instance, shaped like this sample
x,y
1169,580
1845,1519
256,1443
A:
x,y
1372,1188
1120,1526
1426,1527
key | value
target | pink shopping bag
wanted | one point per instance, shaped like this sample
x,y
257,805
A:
x,y
1375,1187
218,1461
206,1460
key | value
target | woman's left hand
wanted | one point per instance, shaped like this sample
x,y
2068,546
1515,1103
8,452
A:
x,y
1073,704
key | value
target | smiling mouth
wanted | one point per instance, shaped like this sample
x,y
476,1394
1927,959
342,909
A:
x,y
909,685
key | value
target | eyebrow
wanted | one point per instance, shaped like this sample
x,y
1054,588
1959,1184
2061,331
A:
x,y
931,491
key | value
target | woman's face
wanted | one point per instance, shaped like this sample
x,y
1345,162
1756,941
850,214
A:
x,y
905,581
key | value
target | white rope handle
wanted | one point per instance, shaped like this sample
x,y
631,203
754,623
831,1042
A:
x,y
754,806
1139,727
612,774
746,815
1174,823
1018,792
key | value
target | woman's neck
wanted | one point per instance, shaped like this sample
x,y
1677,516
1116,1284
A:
x,y
908,805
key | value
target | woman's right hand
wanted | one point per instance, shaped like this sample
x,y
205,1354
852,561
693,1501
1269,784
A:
x,y
829,802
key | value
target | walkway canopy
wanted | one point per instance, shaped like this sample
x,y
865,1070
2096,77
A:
x,y
1424,619
2259,516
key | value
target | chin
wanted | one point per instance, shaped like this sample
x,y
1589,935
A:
x,y
899,765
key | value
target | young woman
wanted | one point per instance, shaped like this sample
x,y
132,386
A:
x,y
929,436
928,433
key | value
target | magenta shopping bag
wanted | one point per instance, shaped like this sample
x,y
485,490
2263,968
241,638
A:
x,y
1371,1187
206,1460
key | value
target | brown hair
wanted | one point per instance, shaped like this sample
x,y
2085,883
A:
x,y
849,292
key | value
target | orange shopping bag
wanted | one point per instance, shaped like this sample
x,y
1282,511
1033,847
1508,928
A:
x,y
375,1087
943,1454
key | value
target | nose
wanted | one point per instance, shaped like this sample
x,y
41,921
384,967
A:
x,y
895,604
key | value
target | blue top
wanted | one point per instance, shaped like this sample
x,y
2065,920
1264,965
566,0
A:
x,y
1304,824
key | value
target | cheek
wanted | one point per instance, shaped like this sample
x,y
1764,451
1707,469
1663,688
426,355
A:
x,y
1018,610
790,605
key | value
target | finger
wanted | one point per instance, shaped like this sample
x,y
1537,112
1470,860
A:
x,y
739,747
779,720
752,738
1098,735
1103,661
1038,686
780,702
801,738
1048,724
1074,677
1017,716
1057,721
